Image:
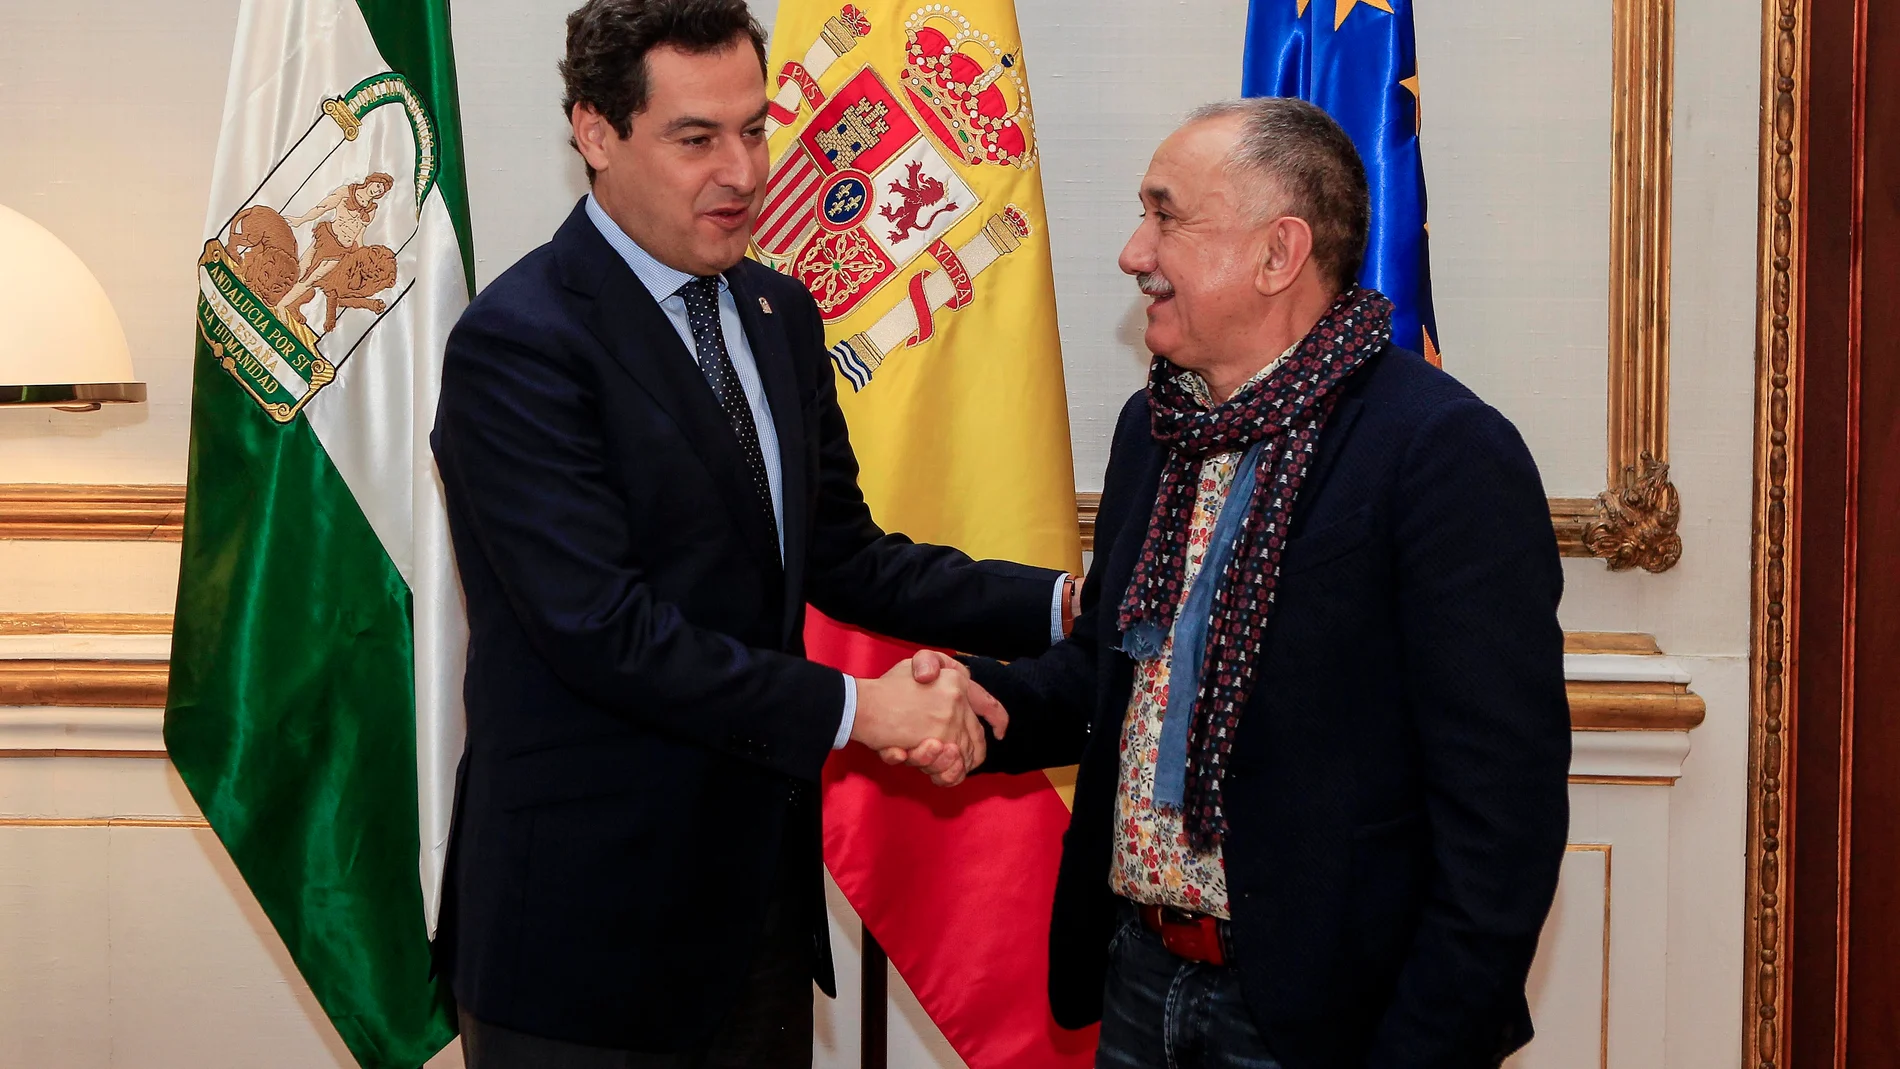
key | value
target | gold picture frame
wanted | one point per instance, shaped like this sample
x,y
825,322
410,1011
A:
x,y
1777,371
1632,523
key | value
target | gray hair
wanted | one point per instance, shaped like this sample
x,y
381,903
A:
x,y
1297,152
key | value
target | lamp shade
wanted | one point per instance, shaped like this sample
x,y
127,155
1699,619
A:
x,y
60,341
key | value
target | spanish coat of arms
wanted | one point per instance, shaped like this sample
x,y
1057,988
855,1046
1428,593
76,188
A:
x,y
871,184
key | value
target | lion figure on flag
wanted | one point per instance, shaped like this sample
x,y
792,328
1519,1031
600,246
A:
x,y
263,246
919,191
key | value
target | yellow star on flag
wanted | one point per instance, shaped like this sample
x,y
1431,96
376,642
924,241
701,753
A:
x,y
1411,85
1345,7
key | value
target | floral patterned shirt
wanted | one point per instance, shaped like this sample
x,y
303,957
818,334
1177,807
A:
x,y
1153,863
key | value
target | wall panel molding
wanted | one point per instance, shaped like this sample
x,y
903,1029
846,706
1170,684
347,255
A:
x,y
1776,366
1618,685
155,513
118,513
190,823
1633,521
85,623
114,684
65,731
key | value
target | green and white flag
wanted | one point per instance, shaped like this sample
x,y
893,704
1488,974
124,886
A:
x,y
315,707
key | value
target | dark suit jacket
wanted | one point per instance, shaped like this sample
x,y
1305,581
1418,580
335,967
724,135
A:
x,y
1397,792
644,736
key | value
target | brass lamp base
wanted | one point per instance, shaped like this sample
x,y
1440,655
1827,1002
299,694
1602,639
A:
x,y
74,397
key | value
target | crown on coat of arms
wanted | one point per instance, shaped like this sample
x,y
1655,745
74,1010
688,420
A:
x,y
968,88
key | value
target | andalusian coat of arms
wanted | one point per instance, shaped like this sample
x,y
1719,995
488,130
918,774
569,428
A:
x,y
311,261
862,202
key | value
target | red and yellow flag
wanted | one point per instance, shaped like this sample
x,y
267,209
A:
x,y
906,194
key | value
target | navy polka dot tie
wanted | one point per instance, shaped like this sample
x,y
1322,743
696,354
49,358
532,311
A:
x,y
709,342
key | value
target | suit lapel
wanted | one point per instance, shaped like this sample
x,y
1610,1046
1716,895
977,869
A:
x,y
1120,566
631,324
1117,571
1332,440
765,331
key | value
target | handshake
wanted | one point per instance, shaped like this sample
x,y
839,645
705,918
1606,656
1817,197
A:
x,y
925,712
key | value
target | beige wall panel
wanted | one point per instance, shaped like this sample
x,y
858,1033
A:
x,y
1516,143
92,788
88,576
1706,827
523,178
189,944
129,947
55,995
1701,605
1566,982
1110,81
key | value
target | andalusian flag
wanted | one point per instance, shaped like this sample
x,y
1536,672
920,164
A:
x,y
906,194
315,706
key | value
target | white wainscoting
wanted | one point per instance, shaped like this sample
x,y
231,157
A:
x,y
127,938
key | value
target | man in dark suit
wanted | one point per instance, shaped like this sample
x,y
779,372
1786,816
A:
x,y
1316,689
648,477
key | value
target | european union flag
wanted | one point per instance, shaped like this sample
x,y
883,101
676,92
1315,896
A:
x,y
1358,59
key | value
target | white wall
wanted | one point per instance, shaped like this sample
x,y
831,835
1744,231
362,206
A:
x,y
108,115
108,122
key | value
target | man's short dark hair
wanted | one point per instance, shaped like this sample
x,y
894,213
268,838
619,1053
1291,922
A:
x,y
1311,171
608,41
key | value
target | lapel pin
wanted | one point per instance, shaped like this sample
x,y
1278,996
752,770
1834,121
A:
x,y
765,306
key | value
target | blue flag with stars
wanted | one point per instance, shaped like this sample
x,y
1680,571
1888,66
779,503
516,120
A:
x,y
1358,59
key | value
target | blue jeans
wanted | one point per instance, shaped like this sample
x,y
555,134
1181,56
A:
x,y
1160,1011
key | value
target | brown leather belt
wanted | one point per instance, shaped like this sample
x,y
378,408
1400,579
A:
x,y
1194,936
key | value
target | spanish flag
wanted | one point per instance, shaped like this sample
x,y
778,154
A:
x,y
906,194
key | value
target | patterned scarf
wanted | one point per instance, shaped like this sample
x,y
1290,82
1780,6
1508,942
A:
x,y
1286,409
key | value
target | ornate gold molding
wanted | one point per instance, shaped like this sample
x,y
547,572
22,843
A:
x,y
1594,705
1087,505
85,683
1608,851
1627,705
1632,523
195,823
1635,524
85,623
1597,705
1643,96
90,513
1569,516
1573,518
1777,364
1633,643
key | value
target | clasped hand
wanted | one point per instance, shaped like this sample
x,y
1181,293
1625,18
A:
x,y
928,713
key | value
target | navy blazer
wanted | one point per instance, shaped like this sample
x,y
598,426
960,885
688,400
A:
x,y
644,734
1396,796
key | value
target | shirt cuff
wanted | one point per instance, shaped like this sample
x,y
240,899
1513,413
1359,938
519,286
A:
x,y
850,718
1055,610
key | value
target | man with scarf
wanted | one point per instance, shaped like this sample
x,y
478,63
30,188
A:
x,y
1316,689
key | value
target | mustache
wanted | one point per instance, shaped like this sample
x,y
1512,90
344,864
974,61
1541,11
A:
x,y
1153,285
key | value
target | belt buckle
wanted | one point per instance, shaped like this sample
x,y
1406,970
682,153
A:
x,y
1176,915
1194,936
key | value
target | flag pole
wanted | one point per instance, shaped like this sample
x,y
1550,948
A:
x,y
874,1050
